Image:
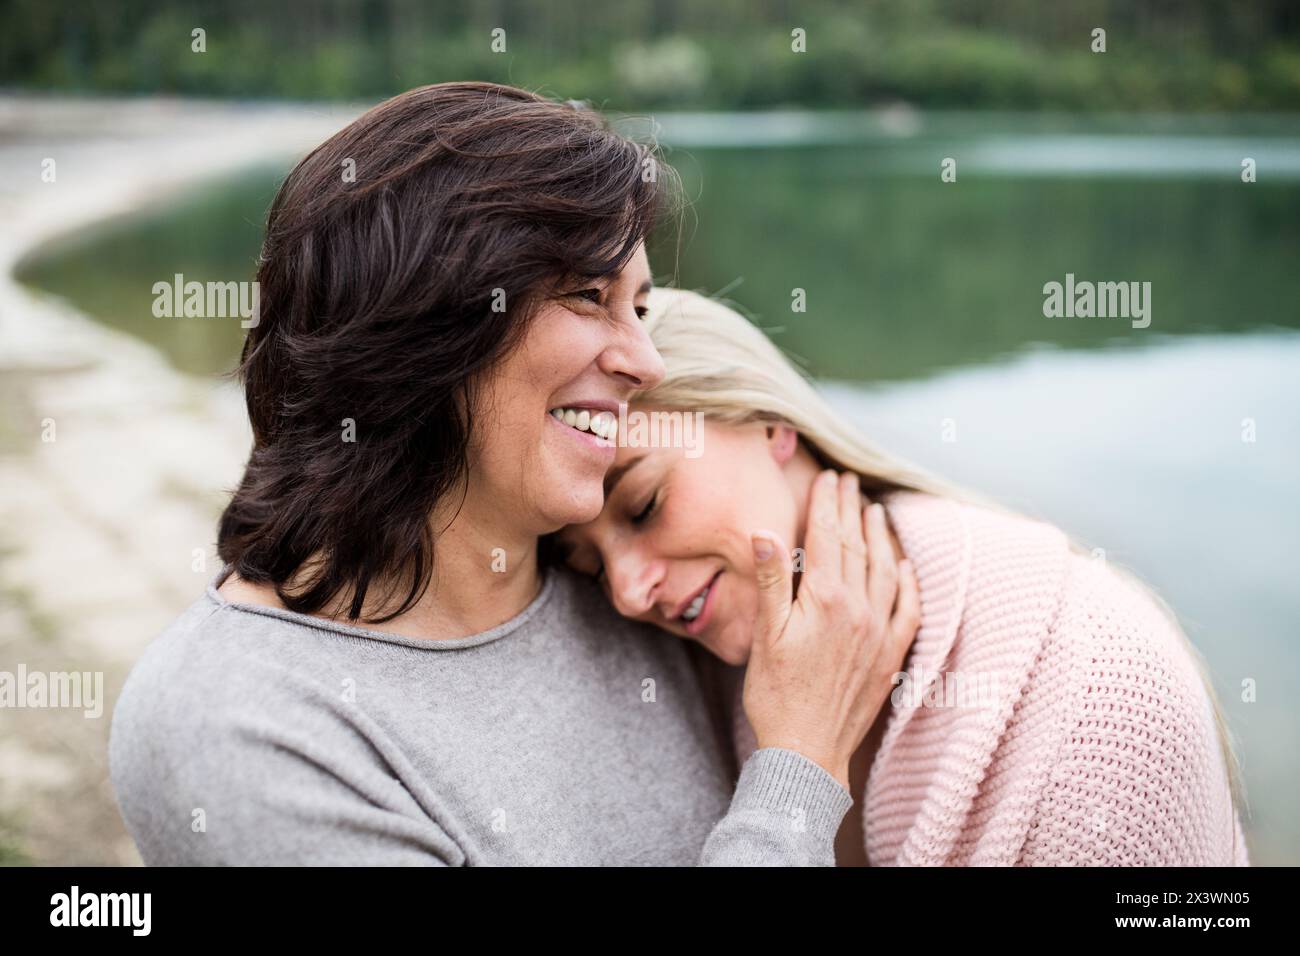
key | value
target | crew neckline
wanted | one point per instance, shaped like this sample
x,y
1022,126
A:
x,y
504,629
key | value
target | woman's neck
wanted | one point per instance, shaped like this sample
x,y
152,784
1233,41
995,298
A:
x,y
483,575
801,471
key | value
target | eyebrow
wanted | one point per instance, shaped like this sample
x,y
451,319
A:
x,y
645,287
616,473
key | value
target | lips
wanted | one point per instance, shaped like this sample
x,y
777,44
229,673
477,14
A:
x,y
691,610
591,404
594,419
593,423
602,424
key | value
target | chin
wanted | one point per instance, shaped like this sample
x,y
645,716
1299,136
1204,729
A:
x,y
734,658
732,649
580,507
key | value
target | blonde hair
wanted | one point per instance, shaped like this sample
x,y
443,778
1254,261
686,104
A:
x,y
722,365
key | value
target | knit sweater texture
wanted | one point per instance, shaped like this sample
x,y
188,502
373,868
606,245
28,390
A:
x,y
1052,716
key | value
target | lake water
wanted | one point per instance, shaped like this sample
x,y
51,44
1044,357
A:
x,y
1176,447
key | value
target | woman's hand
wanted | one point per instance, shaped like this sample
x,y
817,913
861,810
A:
x,y
822,666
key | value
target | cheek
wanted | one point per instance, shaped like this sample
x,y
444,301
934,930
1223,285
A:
x,y
737,638
558,348
511,436
553,354
746,500
763,500
719,500
707,516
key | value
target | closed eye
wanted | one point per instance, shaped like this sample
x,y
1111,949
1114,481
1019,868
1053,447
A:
x,y
647,510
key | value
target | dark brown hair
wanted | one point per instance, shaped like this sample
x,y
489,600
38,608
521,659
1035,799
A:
x,y
377,307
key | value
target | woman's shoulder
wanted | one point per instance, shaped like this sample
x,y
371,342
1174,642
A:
x,y
1140,758
213,631
220,668
174,652
197,700
209,657
989,572
1098,696
1006,556
1003,589
1125,635
969,527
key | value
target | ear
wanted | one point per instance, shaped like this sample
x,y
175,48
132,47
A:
x,y
782,440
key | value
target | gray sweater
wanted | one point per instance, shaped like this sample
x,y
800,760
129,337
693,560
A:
x,y
250,735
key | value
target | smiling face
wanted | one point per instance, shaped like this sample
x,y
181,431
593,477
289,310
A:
x,y
672,545
585,351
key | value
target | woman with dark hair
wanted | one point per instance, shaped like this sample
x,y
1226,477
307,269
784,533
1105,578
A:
x,y
383,672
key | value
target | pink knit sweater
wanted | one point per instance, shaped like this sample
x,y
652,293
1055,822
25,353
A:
x,y
1086,736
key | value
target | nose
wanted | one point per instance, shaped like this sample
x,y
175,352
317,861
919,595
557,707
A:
x,y
634,583
632,358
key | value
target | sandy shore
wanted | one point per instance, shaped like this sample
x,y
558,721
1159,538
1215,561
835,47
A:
x,y
113,465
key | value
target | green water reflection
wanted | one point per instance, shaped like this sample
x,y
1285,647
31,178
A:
x,y
903,274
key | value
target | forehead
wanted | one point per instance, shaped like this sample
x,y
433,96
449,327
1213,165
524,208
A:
x,y
636,270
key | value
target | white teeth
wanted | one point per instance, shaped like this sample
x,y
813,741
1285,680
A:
x,y
602,424
696,606
605,425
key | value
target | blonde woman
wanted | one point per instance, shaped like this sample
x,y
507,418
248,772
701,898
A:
x,y
1051,711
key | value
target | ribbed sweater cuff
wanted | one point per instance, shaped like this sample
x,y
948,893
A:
x,y
786,782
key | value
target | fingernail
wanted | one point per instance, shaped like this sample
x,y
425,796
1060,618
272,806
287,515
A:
x,y
762,548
